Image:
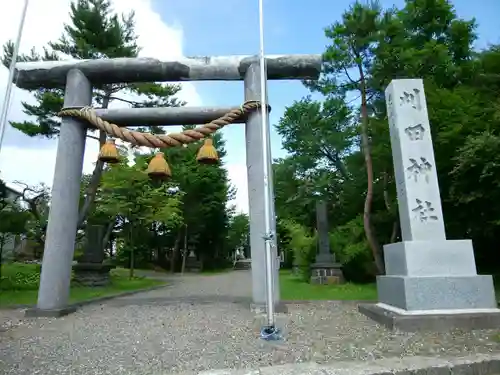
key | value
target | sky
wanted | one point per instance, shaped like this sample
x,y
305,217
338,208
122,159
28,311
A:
x,y
170,29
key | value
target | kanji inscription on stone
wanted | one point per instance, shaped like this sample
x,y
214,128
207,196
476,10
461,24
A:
x,y
419,170
424,211
411,98
415,133
417,186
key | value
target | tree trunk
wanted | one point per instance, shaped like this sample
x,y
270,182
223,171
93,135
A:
x,y
175,251
91,191
107,235
132,260
369,232
2,241
184,252
395,230
388,206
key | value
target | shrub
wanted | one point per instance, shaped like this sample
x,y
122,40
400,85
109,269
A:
x,y
303,246
19,276
351,249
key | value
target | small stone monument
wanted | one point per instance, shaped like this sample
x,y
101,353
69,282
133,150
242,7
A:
x,y
192,263
90,269
430,282
325,270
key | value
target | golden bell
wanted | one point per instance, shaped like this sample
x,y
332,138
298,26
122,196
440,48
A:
x,y
158,167
207,154
109,153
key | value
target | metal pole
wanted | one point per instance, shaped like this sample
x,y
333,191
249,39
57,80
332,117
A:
x,y
267,214
10,84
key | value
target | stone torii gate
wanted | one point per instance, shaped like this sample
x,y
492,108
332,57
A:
x,y
78,77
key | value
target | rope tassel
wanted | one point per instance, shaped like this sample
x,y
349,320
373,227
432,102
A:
x,y
158,168
207,154
109,153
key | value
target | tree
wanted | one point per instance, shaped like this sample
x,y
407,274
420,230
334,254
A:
x,y
13,219
128,195
94,32
351,54
206,191
238,232
370,47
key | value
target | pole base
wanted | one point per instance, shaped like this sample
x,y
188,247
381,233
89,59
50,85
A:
x,y
270,333
260,323
35,312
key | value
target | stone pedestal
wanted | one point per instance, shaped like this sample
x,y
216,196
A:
x,y
434,275
90,270
325,270
430,282
92,274
193,264
243,264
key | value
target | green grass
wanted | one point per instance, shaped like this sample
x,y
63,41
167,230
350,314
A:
x,y
293,288
19,285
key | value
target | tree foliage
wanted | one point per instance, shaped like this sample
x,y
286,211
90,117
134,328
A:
x,y
368,48
95,31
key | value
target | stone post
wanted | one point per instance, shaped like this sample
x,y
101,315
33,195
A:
x,y
255,175
61,231
325,270
425,273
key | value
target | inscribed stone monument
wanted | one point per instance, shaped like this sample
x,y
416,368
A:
x,y
425,273
325,270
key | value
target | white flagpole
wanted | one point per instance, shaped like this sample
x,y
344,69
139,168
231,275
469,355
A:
x,y
265,152
10,83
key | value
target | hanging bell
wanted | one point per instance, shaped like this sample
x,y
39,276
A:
x,y
158,167
109,153
207,154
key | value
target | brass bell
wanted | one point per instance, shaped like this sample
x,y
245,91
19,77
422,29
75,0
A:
x,y
207,154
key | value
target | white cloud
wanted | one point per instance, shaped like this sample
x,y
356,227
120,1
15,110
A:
x,y
32,160
238,175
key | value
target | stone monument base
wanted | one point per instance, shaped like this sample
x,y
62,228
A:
x,y
92,274
193,265
326,273
433,285
434,275
437,292
431,320
243,264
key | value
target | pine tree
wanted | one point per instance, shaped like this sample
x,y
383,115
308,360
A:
x,y
94,32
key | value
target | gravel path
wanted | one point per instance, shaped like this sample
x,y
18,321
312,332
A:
x,y
203,322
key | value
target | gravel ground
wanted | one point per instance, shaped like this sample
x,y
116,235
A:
x,y
203,322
